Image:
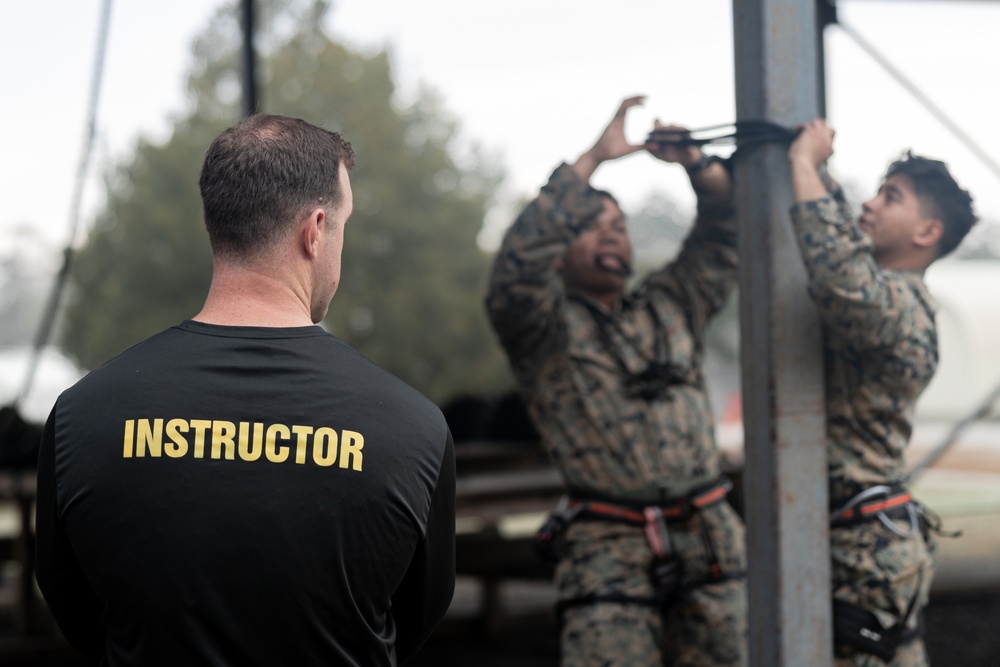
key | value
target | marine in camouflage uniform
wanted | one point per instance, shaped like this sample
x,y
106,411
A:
x,y
613,382
880,346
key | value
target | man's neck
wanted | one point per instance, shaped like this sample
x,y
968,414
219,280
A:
x,y
243,296
911,263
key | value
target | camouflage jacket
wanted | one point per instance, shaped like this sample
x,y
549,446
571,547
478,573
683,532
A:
x,y
879,340
606,426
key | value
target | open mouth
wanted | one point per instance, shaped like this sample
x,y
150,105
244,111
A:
x,y
613,264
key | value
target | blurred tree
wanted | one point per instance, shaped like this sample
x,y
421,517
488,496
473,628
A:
x,y
413,278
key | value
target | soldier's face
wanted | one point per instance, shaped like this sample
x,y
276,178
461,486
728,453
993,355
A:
x,y
893,219
599,261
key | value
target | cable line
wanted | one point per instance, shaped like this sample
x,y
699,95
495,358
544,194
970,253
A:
x,y
923,99
939,450
52,306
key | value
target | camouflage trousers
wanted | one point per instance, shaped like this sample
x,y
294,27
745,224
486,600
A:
x,y
876,569
607,592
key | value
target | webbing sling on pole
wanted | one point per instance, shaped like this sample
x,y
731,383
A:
x,y
744,133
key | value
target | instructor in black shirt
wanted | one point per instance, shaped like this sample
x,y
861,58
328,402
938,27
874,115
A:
x,y
244,488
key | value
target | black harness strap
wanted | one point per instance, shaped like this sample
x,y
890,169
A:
x,y
744,133
670,582
881,502
860,629
661,600
855,626
593,598
593,506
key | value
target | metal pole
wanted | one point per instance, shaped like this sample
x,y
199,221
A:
x,y
784,419
826,13
251,104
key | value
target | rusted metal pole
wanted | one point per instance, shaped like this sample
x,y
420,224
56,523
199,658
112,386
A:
x,y
784,422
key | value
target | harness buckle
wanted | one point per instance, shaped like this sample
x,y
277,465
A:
x,y
861,507
549,541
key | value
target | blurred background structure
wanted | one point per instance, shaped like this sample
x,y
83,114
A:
x,y
458,112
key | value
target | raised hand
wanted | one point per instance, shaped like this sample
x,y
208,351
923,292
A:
x,y
814,145
811,148
668,152
612,143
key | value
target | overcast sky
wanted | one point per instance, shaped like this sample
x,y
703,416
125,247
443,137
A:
x,y
532,81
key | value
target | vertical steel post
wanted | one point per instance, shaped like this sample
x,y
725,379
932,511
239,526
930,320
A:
x,y
785,478
251,101
826,13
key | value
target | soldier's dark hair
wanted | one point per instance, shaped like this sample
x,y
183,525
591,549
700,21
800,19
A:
x,y
262,174
940,195
608,195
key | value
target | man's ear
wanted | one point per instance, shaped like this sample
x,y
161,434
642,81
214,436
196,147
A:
x,y
929,233
559,265
311,230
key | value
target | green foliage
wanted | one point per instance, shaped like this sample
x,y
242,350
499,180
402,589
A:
x,y
413,277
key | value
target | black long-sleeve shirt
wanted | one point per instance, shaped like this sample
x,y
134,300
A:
x,y
245,496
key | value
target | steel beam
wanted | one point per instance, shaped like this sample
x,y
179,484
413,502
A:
x,y
776,45
251,97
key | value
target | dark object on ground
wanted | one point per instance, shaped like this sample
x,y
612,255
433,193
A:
x,y
486,419
19,440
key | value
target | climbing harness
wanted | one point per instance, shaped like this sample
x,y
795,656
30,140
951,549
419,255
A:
x,y
640,514
660,374
860,629
882,502
853,625
669,579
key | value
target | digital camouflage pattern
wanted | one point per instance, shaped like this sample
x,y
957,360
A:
x,y
700,626
883,573
601,437
576,364
880,345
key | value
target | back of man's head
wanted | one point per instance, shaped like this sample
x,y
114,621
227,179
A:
x,y
262,174
939,195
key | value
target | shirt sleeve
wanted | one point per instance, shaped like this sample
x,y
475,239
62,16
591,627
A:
x,y
524,294
703,274
425,593
861,305
66,590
